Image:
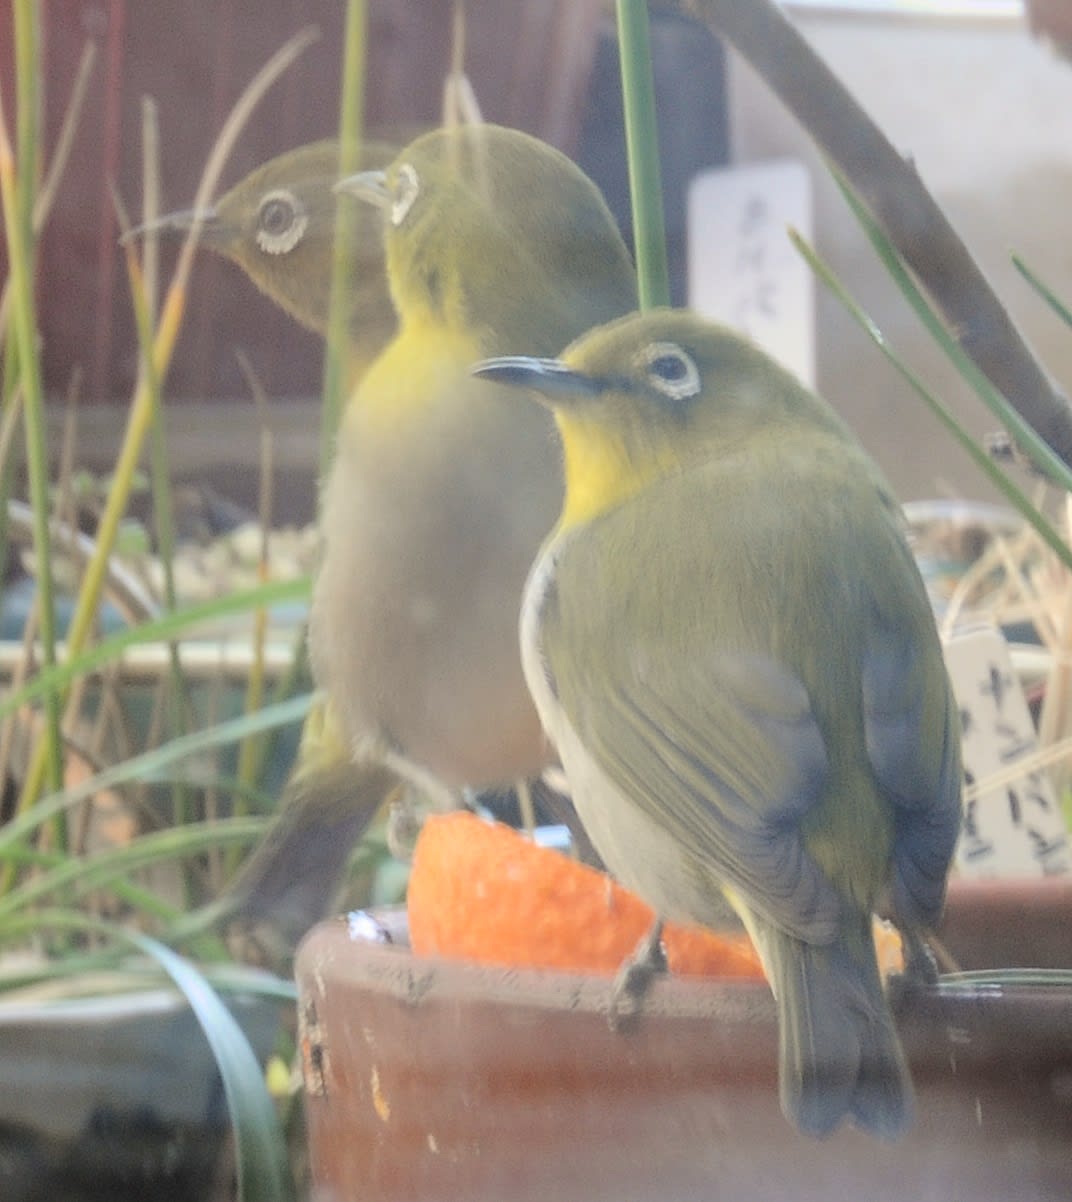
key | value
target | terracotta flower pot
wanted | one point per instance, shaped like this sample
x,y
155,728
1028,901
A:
x,y
429,1079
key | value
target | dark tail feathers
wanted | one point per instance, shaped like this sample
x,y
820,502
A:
x,y
839,1054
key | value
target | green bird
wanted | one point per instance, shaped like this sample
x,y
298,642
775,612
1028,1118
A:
x,y
439,495
730,645
478,240
278,225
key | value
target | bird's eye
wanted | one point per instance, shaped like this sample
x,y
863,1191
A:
x,y
281,222
406,187
670,370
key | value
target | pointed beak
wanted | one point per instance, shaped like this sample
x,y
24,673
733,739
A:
x,y
370,186
177,224
556,383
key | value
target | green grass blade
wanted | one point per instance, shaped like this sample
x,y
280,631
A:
x,y
642,150
17,182
133,895
150,763
87,972
142,282
138,414
163,629
260,1147
1050,297
351,122
1015,495
80,874
1036,448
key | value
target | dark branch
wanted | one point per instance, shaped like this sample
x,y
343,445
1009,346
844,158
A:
x,y
893,191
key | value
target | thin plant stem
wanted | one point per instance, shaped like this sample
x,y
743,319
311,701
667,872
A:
x,y
42,207
10,427
155,630
150,204
177,697
9,725
141,408
1043,290
18,225
150,762
891,187
117,863
351,124
28,79
1013,493
249,751
642,149
64,144
143,289
1044,457
293,680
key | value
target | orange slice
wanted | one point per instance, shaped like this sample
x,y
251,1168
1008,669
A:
x,y
482,891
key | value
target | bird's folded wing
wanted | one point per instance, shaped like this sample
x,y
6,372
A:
x,y
913,743
727,756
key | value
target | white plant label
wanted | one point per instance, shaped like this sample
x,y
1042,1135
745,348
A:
x,y
743,270
1015,829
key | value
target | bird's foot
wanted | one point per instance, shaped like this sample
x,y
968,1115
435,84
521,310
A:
x,y
920,967
635,978
405,817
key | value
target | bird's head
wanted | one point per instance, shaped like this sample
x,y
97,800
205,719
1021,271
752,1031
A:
x,y
278,225
652,392
491,229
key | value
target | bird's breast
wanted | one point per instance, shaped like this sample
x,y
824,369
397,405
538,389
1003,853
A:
x,y
435,507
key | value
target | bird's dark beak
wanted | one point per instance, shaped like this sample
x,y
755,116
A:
x,y
178,224
556,383
369,186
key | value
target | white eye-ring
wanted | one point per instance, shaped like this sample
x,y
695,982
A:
x,y
407,185
281,222
670,370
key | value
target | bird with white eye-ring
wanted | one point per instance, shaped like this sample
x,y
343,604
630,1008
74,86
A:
x,y
671,370
281,222
278,225
730,645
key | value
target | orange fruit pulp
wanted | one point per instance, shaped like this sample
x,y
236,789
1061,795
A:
x,y
483,891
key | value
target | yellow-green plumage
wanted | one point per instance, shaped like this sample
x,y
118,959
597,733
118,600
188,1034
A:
x,y
278,225
736,660
440,494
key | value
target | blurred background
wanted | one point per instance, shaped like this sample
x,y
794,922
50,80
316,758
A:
x,y
969,91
